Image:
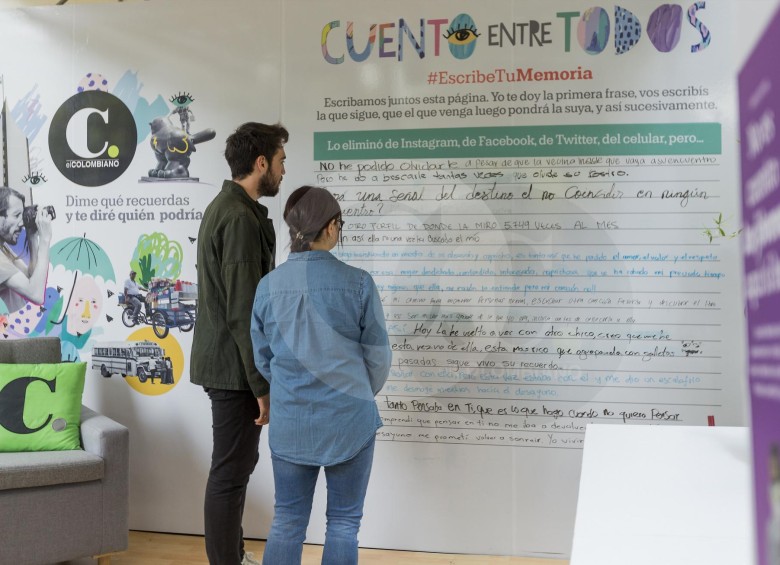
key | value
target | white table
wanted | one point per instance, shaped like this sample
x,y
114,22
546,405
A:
x,y
664,495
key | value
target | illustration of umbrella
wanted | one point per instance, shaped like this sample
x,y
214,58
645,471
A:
x,y
81,255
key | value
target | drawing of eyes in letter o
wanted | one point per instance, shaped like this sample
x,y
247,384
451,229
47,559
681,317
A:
x,y
462,36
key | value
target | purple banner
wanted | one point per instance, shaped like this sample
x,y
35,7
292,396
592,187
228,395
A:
x,y
759,104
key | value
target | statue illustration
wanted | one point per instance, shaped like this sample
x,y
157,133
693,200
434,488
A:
x,y
172,147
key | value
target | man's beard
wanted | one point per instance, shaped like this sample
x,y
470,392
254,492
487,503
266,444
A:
x,y
268,186
10,238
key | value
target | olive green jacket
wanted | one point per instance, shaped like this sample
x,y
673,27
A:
x,y
236,246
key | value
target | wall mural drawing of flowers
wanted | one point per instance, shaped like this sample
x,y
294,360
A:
x,y
156,256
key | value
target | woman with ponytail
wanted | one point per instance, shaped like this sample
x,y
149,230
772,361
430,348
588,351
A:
x,y
319,338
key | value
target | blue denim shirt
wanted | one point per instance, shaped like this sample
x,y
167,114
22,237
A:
x,y
319,338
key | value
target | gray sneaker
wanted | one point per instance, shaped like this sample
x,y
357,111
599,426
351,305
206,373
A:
x,y
249,559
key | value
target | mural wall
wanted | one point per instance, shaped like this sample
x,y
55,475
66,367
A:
x,y
114,139
545,196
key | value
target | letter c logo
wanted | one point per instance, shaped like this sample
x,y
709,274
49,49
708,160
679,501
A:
x,y
92,138
76,132
12,398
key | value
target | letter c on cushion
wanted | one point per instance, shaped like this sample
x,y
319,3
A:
x,y
40,406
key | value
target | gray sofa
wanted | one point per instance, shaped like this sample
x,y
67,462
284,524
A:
x,y
62,505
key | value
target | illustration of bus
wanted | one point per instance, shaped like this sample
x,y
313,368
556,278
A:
x,y
142,359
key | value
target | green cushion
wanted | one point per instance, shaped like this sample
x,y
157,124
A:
x,y
40,406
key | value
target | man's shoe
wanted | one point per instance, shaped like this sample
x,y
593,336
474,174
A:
x,y
249,559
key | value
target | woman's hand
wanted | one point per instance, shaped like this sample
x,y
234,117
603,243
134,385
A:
x,y
264,402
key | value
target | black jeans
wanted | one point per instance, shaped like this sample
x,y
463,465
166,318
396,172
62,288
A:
x,y
233,459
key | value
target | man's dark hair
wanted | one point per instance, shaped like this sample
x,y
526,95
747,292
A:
x,y
5,194
250,141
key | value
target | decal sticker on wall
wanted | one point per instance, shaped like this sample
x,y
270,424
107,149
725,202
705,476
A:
x,y
149,364
156,256
172,145
142,359
34,320
27,114
89,264
168,304
93,81
30,219
128,90
92,138
25,231
181,103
